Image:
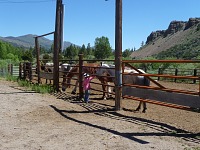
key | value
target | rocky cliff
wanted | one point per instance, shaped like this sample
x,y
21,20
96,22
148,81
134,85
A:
x,y
173,27
177,33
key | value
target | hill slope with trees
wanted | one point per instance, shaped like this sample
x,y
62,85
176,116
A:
x,y
28,41
181,41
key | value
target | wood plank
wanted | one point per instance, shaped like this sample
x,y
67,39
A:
x,y
46,75
192,101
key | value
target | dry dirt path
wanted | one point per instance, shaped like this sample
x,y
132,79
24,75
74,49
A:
x,y
31,121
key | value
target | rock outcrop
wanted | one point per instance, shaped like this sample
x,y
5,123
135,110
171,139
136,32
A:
x,y
173,27
192,22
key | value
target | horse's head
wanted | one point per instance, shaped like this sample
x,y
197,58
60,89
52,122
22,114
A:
x,y
90,68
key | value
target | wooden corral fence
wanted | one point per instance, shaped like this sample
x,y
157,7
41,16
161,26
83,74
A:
x,y
156,93
13,70
3,71
159,94
179,72
25,71
29,72
10,70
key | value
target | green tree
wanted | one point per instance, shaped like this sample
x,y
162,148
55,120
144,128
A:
x,y
89,49
27,56
126,53
102,48
71,52
42,50
83,50
3,50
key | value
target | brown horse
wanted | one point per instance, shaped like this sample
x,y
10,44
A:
x,y
89,68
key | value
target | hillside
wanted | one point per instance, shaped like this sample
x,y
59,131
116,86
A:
x,y
28,41
180,34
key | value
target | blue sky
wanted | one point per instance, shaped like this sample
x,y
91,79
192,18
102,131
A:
x,y
86,20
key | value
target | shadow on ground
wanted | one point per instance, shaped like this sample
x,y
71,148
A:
x,y
104,110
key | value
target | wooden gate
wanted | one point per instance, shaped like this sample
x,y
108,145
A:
x,y
159,94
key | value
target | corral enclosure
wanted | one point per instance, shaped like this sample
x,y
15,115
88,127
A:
x,y
157,93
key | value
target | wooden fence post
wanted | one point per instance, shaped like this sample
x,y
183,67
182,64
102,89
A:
x,y
57,44
176,73
11,69
37,49
20,71
159,72
118,54
195,74
8,68
30,71
24,70
80,76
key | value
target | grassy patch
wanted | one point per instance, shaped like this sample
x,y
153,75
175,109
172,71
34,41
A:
x,y
11,78
39,88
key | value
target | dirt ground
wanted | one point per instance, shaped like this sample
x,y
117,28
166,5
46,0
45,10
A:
x,y
32,121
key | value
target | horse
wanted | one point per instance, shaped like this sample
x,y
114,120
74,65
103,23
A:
x,y
128,78
48,68
89,68
137,80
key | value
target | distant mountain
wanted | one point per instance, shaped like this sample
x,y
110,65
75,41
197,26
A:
x,y
28,41
181,40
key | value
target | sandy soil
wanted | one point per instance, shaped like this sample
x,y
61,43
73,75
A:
x,y
32,121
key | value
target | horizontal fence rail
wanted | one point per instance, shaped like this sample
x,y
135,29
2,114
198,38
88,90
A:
x,y
159,94
162,95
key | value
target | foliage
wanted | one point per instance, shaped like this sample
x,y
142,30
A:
x,y
89,50
127,53
7,51
83,50
4,63
27,56
188,51
46,58
16,54
35,87
102,48
11,78
71,52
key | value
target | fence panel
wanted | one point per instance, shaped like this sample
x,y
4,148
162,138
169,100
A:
x,y
3,71
15,71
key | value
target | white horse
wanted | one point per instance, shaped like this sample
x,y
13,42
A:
x,y
127,79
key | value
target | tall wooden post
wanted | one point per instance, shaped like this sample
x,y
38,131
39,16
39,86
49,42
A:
x,y
24,70
195,74
30,72
80,76
118,54
20,70
57,45
11,69
61,27
37,49
176,73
